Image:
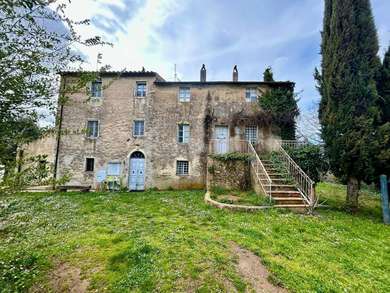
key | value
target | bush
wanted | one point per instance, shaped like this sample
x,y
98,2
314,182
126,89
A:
x,y
233,156
311,159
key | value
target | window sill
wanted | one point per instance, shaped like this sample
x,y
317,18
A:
x,y
91,138
183,175
138,136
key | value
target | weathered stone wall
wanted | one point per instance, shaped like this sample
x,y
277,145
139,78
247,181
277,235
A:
x,y
42,146
232,175
162,112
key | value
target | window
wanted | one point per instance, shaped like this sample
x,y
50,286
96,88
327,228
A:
x,y
141,89
251,134
181,167
114,169
139,128
251,94
183,135
92,128
184,94
96,89
89,164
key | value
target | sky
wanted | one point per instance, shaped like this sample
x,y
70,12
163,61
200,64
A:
x,y
254,34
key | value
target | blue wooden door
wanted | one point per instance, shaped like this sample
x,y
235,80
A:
x,y
137,174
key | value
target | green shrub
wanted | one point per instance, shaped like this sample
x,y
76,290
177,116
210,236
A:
x,y
311,159
233,156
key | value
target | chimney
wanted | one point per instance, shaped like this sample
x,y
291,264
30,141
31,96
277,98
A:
x,y
203,73
235,74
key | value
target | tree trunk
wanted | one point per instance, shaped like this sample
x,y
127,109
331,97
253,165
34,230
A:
x,y
352,194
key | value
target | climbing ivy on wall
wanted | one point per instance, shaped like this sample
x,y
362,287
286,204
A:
x,y
281,105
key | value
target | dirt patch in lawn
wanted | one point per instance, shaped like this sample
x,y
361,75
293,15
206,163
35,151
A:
x,y
66,278
230,197
254,272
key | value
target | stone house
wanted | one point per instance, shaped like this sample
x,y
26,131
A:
x,y
139,131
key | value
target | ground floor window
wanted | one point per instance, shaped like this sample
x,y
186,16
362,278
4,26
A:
x,y
89,164
114,169
251,134
182,167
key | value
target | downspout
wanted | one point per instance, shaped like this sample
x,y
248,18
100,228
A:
x,y
58,143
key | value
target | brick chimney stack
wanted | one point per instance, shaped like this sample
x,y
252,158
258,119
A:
x,y
235,74
203,73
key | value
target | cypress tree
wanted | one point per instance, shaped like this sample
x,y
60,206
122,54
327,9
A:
x,y
384,87
348,110
383,163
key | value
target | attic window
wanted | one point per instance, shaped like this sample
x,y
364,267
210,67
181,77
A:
x,y
251,94
96,89
184,94
141,89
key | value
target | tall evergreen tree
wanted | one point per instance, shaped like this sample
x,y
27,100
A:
x,y
383,162
348,110
384,87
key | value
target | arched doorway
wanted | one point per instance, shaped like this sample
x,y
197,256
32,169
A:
x,y
137,171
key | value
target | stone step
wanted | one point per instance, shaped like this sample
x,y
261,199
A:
x,y
282,186
277,174
288,200
285,192
291,206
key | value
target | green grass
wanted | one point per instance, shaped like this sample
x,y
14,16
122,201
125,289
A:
x,y
172,241
246,198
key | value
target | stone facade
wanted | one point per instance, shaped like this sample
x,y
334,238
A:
x,y
230,175
211,104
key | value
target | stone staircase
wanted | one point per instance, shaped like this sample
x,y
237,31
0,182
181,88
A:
x,y
284,193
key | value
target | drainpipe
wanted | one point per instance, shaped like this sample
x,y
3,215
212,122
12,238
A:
x,y
58,143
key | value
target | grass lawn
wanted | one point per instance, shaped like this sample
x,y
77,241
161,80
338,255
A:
x,y
172,241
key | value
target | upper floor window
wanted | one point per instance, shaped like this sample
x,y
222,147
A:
x,y
141,89
183,135
92,128
89,164
138,128
251,94
182,168
184,94
96,89
251,134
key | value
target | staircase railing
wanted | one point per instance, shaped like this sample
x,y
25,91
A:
x,y
260,171
305,184
293,143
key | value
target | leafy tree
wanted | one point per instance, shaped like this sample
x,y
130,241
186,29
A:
x,y
36,39
281,105
348,110
268,75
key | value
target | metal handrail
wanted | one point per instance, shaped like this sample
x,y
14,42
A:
x,y
293,143
305,184
260,170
